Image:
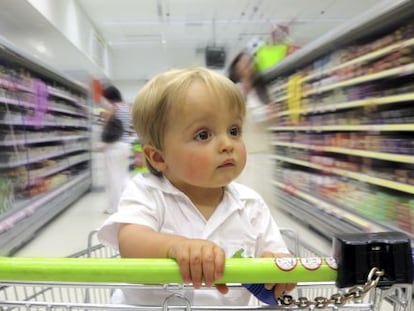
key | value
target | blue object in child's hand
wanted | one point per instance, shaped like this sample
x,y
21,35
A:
x,y
260,292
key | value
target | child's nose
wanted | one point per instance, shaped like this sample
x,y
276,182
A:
x,y
226,144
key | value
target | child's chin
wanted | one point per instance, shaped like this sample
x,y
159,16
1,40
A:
x,y
227,181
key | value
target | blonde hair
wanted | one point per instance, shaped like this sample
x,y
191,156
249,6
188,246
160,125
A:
x,y
150,111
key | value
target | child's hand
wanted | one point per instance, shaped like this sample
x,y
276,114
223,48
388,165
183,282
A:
x,y
199,260
281,288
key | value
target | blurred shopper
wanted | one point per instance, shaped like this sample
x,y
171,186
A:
x,y
116,153
258,171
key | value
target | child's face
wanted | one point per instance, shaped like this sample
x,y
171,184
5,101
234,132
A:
x,y
203,146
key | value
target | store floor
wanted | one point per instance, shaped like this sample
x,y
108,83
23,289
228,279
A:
x,y
67,233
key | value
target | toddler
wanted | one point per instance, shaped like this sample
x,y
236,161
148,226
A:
x,y
188,207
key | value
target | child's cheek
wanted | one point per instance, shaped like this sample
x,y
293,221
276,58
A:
x,y
195,164
242,153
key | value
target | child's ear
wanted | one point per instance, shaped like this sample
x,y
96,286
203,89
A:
x,y
154,157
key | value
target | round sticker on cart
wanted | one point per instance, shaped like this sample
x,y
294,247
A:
x,y
331,262
311,263
286,263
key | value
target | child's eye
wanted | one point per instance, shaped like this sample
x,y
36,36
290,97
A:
x,y
202,135
235,131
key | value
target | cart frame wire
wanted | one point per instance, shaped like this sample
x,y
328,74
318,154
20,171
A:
x,y
97,296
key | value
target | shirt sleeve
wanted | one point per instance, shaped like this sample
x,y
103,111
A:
x,y
136,206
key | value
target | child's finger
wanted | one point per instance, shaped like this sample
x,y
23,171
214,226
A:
x,y
290,287
222,288
182,259
208,266
219,260
196,270
279,290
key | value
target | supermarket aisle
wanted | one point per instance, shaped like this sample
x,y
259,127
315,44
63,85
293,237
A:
x,y
67,234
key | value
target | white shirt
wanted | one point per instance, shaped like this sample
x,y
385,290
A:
x,y
241,220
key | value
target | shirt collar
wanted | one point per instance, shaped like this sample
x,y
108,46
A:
x,y
237,193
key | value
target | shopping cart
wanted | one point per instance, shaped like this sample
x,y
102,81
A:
x,y
47,295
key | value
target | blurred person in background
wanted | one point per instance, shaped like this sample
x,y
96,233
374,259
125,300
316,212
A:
x,y
258,171
116,153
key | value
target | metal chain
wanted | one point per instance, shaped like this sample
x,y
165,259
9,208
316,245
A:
x,y
339,299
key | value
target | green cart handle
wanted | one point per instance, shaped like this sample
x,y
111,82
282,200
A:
x,y
164,271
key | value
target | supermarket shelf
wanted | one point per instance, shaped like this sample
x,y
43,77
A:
x,y
21,103
381,17
24,59
281,99
348,128
21,225
16,102
357,176
65,121
41,158
66,111
55,169
326,207
375,24
24,207
45,124
362,59
320,220
30,141
339,214
278,88
351,104
402,70
355,152
58,93
14,85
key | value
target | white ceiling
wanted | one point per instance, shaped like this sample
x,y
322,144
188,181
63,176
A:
x,y
148,36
